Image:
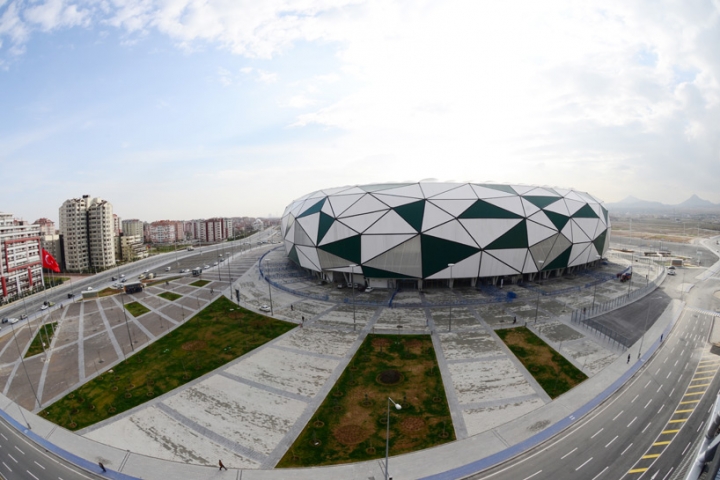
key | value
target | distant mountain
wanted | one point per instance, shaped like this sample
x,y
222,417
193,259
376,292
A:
x,y
696,202
633,203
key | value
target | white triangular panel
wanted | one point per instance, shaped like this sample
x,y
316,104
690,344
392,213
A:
x,y
288,245
573,206
579,254
405,259
327,209
308,257
521,189
542,219
317,194
561,191
568,231
558,207
529,207
593,254
538,233
572,195
454,232
352,191
431,189
515,257
391,222
540,192
366,204
360,223
466,268
585,197
529,266
295,210
486,230
454,207
334,191
290,235
484,192
407,191
433,216
511,204
578,234
301,237
393,200
492,267
342,202
310,225
598,211
337,231
461,193
591,226
373,245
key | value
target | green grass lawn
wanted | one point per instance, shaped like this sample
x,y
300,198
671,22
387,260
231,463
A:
x,y
209,340
200,283
45,334
136,309
551,370
170,296
350,424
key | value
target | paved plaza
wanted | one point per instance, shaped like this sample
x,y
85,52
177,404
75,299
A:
x,y
250,411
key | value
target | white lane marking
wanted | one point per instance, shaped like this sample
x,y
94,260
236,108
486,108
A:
x,y
686,447
13,458
648,383
571,451
611,442
30,473
16,448
1,435
7,466
648,403
646,426
676,362
636,397
596,476
631,422
656,391
38,465
669,373
621,412
661,407
626,449
666,359
526,478
701,425
671,392
598,432
657,372
681,353
669,472
586,462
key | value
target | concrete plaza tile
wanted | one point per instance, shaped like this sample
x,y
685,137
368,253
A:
x,y
478,420
155,302
68,331
343,315
176,311
591,356
526,312
320,340
153,433
90,306
461,317
554,306
184,290
488,380
73,310
192,301
438,296
408,297
11,353
558,332
494,314
62,371
307,308
92,323
287,371
99,351
249,416
407,317
469,344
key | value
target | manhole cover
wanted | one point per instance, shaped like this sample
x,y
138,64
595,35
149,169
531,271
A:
x,y
389,377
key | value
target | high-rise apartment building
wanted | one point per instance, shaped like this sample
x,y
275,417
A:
x,y
20,261
87,227
164,231
133,228
47,226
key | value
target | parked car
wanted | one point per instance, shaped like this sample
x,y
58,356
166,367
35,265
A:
x,y
167,269
113,278
123,280
672,272
89,289
44,307
23,316
369,289
340,286
206,266
264,308
215,264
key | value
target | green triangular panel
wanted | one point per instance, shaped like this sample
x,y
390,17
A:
x,y
294,256
348,248
437,253
412,213
599,242
502,188
561,261
559,220
314,209
377,273
605,214
326,222
540,201
585,212
516,237
481,209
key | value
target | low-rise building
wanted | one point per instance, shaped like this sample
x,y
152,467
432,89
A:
x,y
129,248
20,260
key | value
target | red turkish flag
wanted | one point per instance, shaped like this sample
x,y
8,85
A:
x,y
49,262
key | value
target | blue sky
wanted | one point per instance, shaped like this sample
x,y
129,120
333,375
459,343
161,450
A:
x,y
180,109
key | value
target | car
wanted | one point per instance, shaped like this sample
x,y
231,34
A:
x,y
5,320
206,266
122,276
264,308
369,289
215,264
11,320
123,280
113,278
146,271
44,307
23,316
89,289
671,272
340,286
167,269
671,267
71,295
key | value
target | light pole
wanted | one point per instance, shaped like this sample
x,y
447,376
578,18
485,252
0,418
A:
x,y
270,290
387,435
597,257
537,305
352,279
451,265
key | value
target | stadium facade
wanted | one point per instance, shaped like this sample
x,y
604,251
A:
x,y
437,233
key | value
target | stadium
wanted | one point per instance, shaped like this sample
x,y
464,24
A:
x,y
438,234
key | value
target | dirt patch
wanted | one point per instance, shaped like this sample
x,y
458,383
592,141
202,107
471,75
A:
x,y
351,434
412,424
389,377
381,342
413,344
194,345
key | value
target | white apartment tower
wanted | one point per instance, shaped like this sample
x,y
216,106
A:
x,y
87,227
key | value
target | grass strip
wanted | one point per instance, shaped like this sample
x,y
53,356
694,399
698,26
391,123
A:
x,y
221,332
350,424
44,334
552,371
172,296
136,309
200,283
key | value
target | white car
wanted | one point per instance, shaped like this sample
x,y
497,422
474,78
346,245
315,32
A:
x,y
671,272
44,307
264,308
369,289
215,264
14,320
89,289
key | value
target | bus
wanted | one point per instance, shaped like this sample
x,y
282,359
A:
x,y
197,272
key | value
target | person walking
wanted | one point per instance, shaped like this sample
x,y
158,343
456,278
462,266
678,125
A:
x,y
221,465
515,319
628,358
102,467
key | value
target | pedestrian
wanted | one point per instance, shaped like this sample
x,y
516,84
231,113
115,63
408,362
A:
x,y
515,319
102,467
212,290
303,322
291,308
661,337
583,310
221,465
628,358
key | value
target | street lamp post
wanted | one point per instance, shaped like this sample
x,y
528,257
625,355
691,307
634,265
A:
x,y
352,280
387,435
537,305
451,265
597,257
270,291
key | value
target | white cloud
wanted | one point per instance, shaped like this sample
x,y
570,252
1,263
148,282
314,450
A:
x,y
57,13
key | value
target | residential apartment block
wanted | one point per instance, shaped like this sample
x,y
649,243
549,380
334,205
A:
x,y
87,227
165,231
133,228
20,261
129,248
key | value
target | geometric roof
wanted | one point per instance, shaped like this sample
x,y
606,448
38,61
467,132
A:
x,y
414,230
